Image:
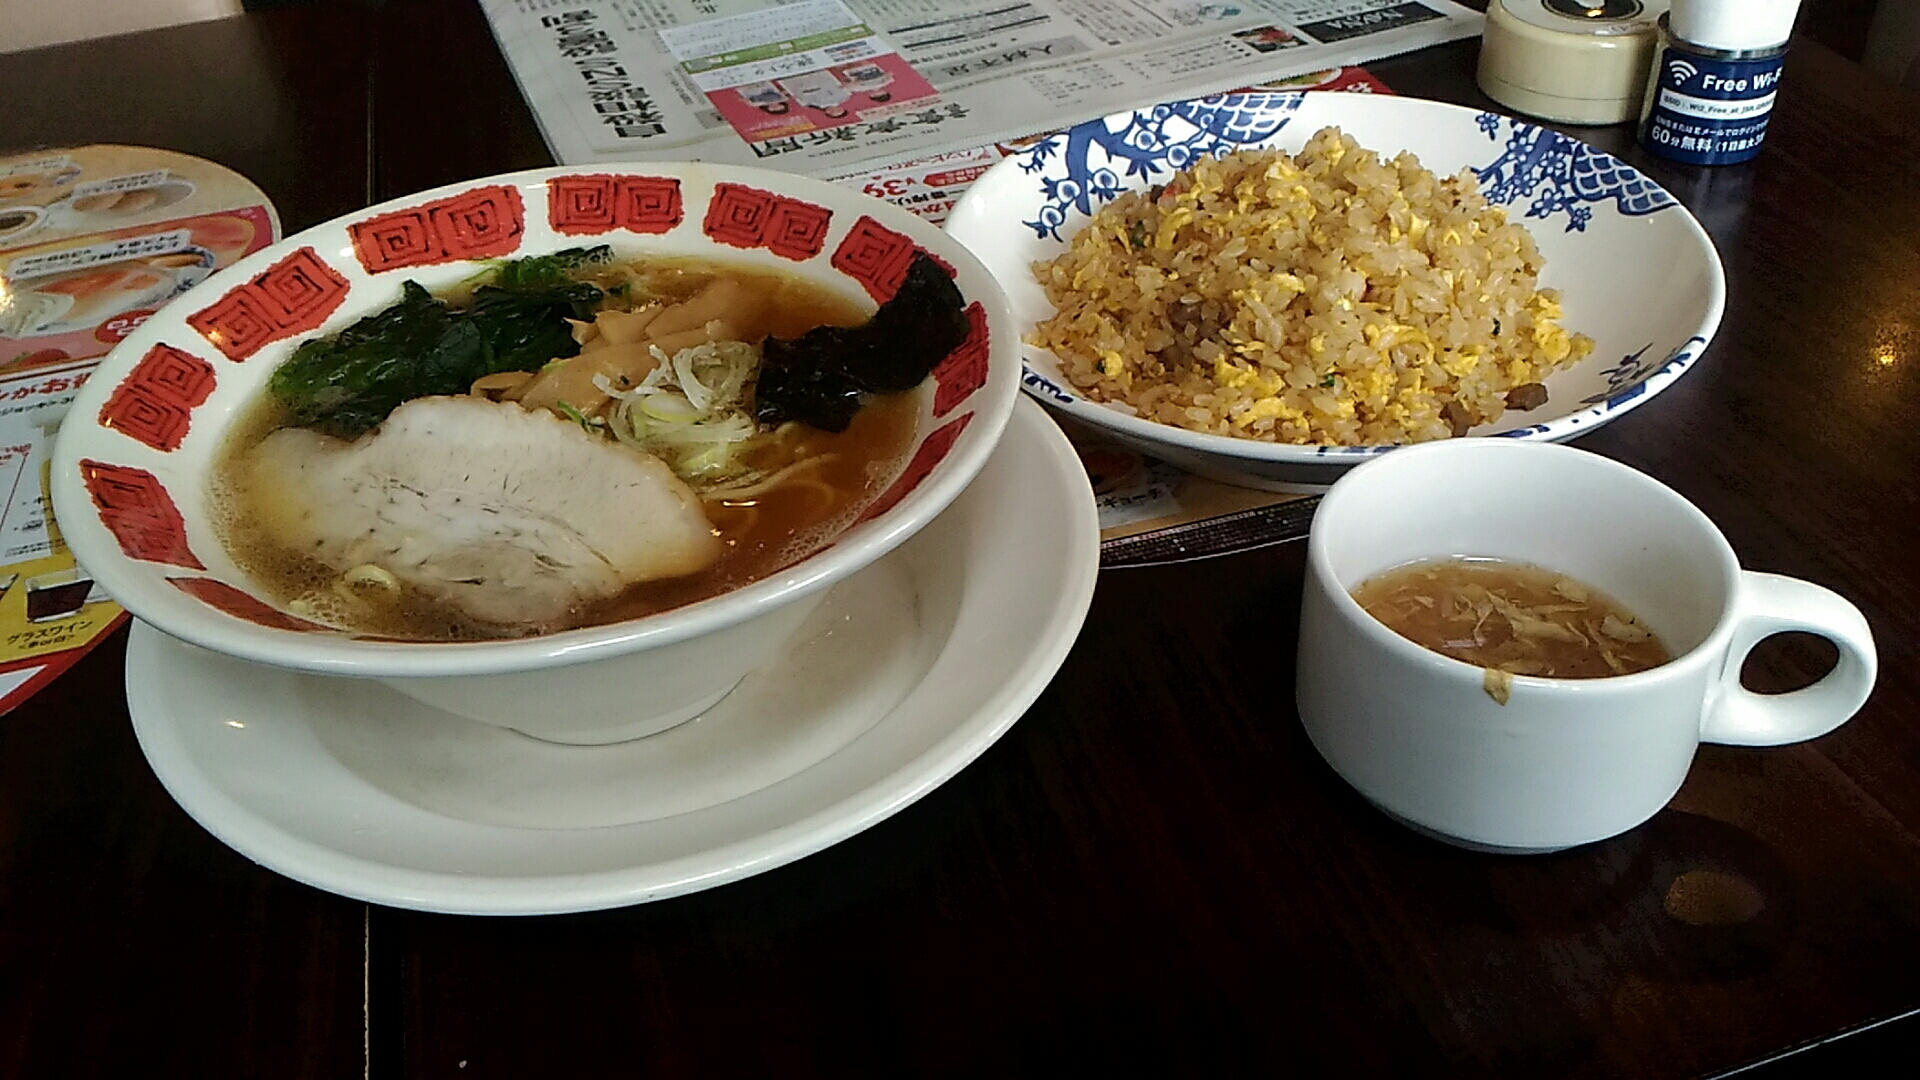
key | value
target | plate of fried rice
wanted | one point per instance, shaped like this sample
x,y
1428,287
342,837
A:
x,y
1270,288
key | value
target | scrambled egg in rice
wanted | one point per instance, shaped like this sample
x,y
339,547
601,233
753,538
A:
x,y
1327,298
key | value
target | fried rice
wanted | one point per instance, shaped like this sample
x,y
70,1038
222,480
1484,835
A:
x,y
1326,298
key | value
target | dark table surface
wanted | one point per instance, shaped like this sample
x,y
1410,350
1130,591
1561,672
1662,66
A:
x,y
1153,868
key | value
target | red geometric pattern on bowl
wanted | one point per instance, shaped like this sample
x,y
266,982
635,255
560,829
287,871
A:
x,y
798,230
930,453
650,204
738,214
139,513
483,223
876,257
596,203
158,397
965,368
218,594
293,296
747,217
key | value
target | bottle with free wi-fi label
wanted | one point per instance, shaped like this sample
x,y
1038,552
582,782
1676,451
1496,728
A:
x,y
1713,82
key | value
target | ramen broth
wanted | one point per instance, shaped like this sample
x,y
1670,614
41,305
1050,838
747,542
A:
x,y
1513,617
761,532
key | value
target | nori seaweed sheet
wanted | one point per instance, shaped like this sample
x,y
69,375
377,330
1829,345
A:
x,y
819,377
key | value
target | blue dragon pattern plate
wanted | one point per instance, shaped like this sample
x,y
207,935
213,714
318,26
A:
x,y
1636,272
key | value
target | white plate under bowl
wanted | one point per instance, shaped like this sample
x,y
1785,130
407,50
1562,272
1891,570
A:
x,y
908,671
1636,272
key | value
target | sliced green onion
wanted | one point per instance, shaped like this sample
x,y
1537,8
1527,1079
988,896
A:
x,y
670,407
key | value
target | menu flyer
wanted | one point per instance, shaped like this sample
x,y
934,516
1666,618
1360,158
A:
x,y
93,240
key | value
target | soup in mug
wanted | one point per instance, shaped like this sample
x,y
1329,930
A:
x,y
1511,617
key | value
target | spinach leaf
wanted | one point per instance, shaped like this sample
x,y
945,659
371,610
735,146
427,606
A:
x,y
345,384
537,272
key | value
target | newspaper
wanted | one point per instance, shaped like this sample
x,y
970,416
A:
x,y
836,88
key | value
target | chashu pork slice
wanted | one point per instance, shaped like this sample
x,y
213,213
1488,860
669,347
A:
x,y
512,516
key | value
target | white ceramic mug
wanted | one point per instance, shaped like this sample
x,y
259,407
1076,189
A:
x,y
1563,761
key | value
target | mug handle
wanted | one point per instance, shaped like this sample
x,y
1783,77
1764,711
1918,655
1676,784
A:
x,y
1771,604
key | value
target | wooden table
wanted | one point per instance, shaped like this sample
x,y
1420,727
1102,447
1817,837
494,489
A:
x,y
1153,868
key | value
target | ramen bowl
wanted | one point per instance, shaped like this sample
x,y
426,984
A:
x,y
1634,270
132,473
